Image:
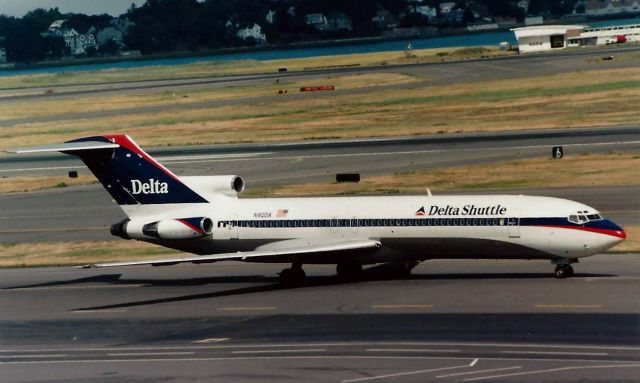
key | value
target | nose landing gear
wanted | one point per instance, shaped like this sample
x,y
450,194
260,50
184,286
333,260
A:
x,y
563,268
563,271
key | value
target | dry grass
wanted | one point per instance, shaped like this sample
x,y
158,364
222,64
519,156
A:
x,y
631,244
224,68
572,171
590,98
62,106
77,253
32,183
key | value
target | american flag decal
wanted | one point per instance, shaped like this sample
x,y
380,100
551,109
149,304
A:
x,y
282,213
420,211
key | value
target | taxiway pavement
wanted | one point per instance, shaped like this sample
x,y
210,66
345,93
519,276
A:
x,y
451,321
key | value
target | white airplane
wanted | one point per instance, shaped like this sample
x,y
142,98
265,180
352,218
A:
x,y
203,216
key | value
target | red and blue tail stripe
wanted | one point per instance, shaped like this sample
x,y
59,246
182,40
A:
x,y
132,177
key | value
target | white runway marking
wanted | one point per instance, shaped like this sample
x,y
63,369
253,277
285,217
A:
x,y
210,340
150,353
35,356
211,156
552,370
556,353
479,372
405,373
407,350
277,351
47,168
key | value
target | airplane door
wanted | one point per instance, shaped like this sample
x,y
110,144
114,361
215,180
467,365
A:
x,y
233,229
513,223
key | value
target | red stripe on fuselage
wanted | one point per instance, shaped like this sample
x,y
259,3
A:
x,y
614,233
126,143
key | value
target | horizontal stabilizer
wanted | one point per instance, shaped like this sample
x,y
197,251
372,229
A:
x,y
329,247
66,147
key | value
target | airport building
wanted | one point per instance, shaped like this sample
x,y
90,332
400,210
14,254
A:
x,y
548,37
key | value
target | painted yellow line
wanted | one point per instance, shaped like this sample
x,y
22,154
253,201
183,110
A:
x,y
250,308
561,306
401,306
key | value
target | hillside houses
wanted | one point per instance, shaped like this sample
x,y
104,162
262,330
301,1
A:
x,y
607,7
76,43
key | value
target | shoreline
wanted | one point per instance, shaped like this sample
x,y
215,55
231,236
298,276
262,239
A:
x,y
6,68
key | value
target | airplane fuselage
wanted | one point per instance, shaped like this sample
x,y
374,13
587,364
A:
x,y
410,227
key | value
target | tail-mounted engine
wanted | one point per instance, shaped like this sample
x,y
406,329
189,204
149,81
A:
x,y
178,228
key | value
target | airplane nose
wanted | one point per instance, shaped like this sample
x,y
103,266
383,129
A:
x,y
617,231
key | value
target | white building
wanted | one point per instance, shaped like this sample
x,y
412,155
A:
x,y
76,42
609,7
425,10
546,37
606,35
254,31
447,7
317,20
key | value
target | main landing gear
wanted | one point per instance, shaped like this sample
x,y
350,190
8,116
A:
x,y
349,271
564,268
293,276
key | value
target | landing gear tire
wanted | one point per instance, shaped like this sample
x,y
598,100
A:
x,y
293,276
349,271
563,271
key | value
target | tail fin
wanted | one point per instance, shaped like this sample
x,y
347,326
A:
x,y
126,171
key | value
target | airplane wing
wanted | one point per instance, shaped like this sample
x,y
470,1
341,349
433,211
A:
x,y
66,147
285,248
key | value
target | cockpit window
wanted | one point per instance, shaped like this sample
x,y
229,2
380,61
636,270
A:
x,y
582,217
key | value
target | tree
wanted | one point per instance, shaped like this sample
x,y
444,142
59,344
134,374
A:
x,y
414,19
109,48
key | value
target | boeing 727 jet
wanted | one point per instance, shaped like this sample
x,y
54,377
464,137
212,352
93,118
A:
x,y
204,216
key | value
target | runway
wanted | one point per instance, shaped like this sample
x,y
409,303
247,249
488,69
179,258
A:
x,y
452,321
429,74
85,213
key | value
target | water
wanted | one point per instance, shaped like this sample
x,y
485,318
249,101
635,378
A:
x,y
479,39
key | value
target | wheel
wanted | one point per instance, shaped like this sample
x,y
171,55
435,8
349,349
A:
x,y
292,277
349,271
563,271
569,271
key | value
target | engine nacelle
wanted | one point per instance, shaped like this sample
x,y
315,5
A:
x,y
211,185
178,228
